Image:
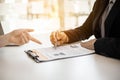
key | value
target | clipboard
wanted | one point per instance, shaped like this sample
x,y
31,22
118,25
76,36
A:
x,y
61,52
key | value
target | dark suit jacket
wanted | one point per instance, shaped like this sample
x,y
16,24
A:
x,y
1,30
108,46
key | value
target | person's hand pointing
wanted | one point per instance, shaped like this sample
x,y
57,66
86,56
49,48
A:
x,y
18,37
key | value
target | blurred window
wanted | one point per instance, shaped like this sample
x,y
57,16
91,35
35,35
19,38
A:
x,y
44,15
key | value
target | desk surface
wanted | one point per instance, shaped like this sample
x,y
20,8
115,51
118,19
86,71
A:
x,y
16,65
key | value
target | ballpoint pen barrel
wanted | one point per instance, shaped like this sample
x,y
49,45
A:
x,y
56,41
55,46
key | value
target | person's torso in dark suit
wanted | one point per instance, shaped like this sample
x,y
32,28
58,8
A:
x,y
112,22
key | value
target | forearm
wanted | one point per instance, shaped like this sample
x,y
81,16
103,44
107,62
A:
x,y
86,30
80,33
3,40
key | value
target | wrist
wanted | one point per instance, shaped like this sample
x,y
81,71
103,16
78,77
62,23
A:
x,y
3,40
66,38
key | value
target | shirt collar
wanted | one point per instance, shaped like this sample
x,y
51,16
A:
x,y
112,1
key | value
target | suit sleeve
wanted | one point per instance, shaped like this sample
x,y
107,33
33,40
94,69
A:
x,y
85,31
109,47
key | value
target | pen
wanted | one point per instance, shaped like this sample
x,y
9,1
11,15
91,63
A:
x,y
56,41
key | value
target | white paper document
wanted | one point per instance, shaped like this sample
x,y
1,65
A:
x,y
61,52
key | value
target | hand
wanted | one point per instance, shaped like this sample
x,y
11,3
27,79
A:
x,y
88,44
20,37
58,37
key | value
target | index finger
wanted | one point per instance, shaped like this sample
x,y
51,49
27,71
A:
x,y
35,40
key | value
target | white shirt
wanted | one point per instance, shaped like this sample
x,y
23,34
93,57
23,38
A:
x,y
104,16
112,0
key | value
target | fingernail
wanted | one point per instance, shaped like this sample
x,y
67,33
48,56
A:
x,y
40,43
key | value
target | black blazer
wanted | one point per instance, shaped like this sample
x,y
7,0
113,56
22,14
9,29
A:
x,y
1,29
108,46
